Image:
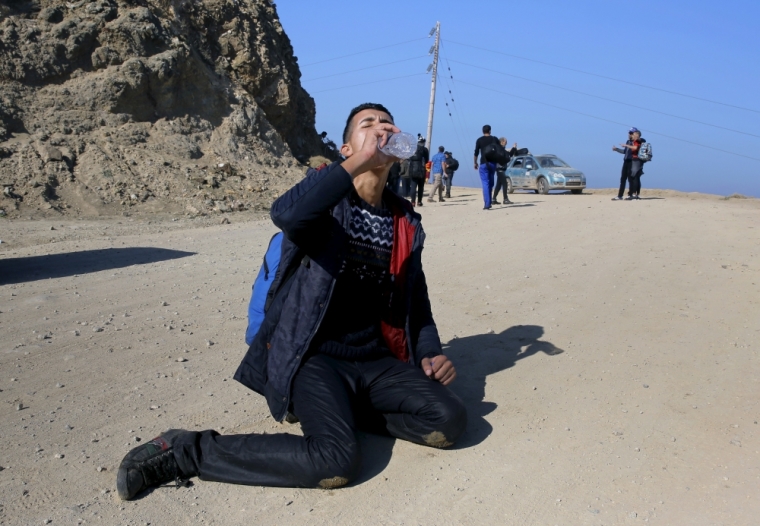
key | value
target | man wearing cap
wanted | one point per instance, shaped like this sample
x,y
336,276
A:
x,y
625,173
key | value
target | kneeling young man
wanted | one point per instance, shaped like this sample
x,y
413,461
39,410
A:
x,y
349,341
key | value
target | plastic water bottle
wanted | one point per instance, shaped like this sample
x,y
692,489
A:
x,y
400,145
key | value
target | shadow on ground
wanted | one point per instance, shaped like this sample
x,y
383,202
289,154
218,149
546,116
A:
x,y
479,356
33,268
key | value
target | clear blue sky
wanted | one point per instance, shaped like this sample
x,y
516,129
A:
x,y
704,49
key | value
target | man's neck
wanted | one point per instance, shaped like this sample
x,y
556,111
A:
x,y
370,185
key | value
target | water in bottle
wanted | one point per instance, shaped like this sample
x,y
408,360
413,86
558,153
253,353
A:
x,y
400,145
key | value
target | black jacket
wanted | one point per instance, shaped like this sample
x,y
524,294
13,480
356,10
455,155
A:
x,y
314,216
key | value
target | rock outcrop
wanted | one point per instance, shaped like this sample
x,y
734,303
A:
x,y
154,105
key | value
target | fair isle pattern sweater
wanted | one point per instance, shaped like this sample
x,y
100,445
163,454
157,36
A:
x,y
351,327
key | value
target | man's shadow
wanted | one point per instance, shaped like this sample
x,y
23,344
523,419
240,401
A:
x,y
475,358
479,356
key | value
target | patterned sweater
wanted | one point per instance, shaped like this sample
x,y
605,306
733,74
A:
x,y
351,327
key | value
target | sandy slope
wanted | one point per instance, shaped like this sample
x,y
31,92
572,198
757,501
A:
x,y
607,352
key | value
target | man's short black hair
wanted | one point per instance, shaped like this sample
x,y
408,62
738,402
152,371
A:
x,y
487,128
362,107
441,148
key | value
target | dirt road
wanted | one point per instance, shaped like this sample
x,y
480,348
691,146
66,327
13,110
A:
x,y
607,353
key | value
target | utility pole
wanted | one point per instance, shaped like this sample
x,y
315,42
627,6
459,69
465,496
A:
x,y
429,137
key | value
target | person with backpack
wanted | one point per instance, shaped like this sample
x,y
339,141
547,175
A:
x,y
438,163
645,155
348,340
501,174
487,167
417,164
634,177
452,165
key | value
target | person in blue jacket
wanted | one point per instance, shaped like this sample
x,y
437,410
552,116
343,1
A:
x,y
348,342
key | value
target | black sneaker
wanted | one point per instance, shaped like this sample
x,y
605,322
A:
x,y
494,201
618,198
148,465
630,198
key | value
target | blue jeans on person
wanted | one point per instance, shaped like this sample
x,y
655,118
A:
x,y
487,171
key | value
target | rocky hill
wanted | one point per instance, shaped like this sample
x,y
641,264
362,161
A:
x,y
148,105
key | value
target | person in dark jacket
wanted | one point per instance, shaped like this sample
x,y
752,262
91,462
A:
x,y
631,148
349,340
501,174
452,165
405,179
417,164
394,177
625,173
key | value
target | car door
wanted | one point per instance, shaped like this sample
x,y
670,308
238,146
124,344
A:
x,y
530,173
517,172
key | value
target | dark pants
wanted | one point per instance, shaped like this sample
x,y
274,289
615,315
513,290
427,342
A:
x,y
416,186
447,179
634,186
486,172
332,398
501,183
625,174
393,184
405,184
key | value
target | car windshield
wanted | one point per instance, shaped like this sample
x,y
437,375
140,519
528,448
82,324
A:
x,y
552,162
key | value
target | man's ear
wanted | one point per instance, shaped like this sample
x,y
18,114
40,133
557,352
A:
x,y
346,151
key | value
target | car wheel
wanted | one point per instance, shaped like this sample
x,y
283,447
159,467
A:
x,y
577,191
510,188
543,186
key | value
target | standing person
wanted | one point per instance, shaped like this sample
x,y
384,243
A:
x,y
438,166
404,174
625,173
634,186
501,175
417,164
486,169
448,174
640,171
350,339
394,176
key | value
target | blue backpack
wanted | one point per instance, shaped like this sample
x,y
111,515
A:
x,y
271,279
258,305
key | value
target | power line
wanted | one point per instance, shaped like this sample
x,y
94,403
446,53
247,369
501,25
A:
x,y
451,96
362,69
453,82
456,131
608,78
365,83
362,52
606,99
608,120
